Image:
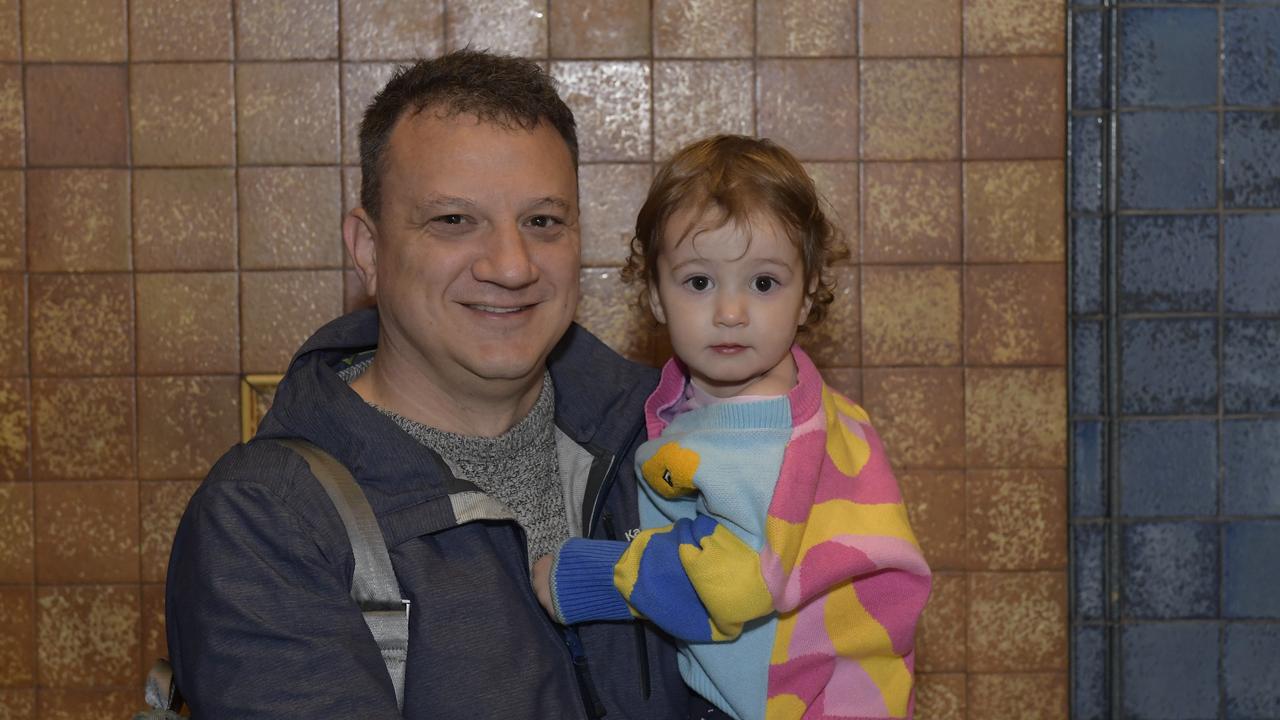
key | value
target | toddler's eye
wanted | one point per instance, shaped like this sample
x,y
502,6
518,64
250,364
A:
x,y
698,283
764,283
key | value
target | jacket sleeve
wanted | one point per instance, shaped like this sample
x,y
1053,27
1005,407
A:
x,y
694,579
259,616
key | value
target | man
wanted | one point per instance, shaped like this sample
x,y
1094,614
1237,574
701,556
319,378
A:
x,y
483,427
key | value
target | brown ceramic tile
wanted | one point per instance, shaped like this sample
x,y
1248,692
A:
x,y
88,636
703,28
12,132
86,532
696,98
940,696
286,29
835,342
1015,314
10,40
910,109
83,428
17,628
810,107
15,420
1025,696
13,324
18,703
837,183
806,27
79,220
514,27
1015,417
611,195
76,30
280,310
1013,211
180,29
76,115
17,535
154,643
846,381
1017,622
920,28
162,505
77,703
82,324
1013,108
184,219
940,635
911,212
391,30
599,28
287,113
1014,27
13,221
360,82
611,102
919,413
172,103
187,323
911,315
935,503
185,423
612,311
351,195
290,218
1017,519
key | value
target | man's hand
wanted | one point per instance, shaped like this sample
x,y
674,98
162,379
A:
x,y
542,583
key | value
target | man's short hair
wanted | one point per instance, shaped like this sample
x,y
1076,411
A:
x,y
499,89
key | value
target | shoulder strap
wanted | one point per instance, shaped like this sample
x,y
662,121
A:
x,y
373,585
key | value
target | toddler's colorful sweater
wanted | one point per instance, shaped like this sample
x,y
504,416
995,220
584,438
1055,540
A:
x,y
778,552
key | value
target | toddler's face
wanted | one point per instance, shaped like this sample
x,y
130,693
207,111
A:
x,y
732,297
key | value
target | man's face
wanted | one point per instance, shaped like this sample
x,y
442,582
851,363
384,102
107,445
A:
x,y
476,255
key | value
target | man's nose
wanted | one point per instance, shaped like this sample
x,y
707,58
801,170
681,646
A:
x,y
730,310
506,260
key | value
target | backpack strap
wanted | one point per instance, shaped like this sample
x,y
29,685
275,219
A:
x,y
373,585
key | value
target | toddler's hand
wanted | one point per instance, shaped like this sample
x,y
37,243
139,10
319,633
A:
x,y
542,583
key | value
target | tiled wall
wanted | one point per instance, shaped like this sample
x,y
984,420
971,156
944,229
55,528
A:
x,y
173,177
1175,397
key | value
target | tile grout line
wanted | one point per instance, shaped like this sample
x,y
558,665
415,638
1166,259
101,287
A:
x,y
1113,662
1219,177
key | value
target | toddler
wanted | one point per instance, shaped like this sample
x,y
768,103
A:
x,y
778,551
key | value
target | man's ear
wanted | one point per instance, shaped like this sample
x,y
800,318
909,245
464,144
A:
x,y
359,234
655,304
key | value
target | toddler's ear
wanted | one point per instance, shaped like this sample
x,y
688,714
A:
x,y
807,305
655,304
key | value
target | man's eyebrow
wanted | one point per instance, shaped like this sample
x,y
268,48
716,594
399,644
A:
x,y
553,201
432,202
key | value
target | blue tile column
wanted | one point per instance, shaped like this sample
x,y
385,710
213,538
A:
x,y
1174,203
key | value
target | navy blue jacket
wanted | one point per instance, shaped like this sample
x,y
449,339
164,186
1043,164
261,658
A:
x,y
259,617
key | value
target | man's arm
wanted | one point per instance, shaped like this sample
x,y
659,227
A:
x,y
259,616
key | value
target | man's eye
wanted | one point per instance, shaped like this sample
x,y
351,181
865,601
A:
x,y
544,221
764,283
698,283
449,219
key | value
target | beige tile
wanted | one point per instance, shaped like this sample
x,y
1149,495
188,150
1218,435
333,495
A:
x,y
10,40
610,196
13,324
12,122
940,696
15,422
154,643
17,627
846,381
611,102
911,315
187,323
185,423
940,641
1017,519
82,324
1015,417
77,115
290,218
512,27
287,113
696,98
391,30
911,212
18,703
280,310
88,636
836,341
75,30
78,220
1017,622
83,428
612,311
13,221
360,82
806,27
809,106
286,29
184,219
1025,696
919,413
162,504
17,534
1014,108
935,503
170,104
1014,211
703,28
1015,314
180,30
1014,27
837,185
599,28
76,703
910,109
920,28
87,532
